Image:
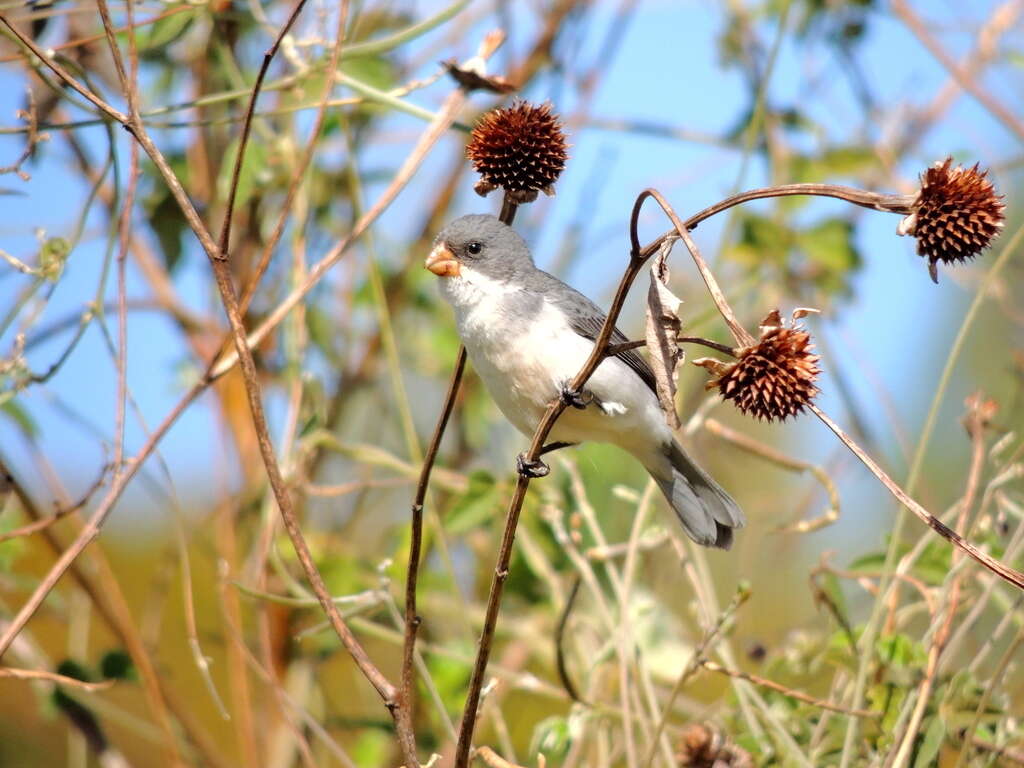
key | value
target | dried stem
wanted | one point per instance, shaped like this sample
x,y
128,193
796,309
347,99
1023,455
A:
x,y
412,621
53,677
743,338
243,140
792,693
962,77
1003,571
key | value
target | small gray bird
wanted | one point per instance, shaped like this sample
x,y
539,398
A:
x,y
528,334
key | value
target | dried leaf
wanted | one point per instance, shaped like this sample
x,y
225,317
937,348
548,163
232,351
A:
x,y
662,327
471,76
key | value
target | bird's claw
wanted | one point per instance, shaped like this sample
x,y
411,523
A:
x,y
576,398
531,467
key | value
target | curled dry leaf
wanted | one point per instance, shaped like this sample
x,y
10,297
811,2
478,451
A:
x,y
473,76
662,328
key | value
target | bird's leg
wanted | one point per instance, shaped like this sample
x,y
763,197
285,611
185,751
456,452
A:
x,y
576,398
536,467
531,467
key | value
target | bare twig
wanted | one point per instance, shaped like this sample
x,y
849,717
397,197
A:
x,y
412,620
743,338
1003,571
53,677
963,78
243,140
792,693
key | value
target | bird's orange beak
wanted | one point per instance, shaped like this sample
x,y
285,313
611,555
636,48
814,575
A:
x,y
442,262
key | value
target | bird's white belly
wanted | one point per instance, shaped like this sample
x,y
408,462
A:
x,y
524,371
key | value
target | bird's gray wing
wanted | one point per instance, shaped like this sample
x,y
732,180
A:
x,y
587,319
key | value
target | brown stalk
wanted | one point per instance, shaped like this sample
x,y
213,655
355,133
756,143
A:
x,y
412,621
1003,571
963,77
976,430
792,693
53,677
243,141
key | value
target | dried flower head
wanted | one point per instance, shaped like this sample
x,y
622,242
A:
x,y
701,746
773,378
520,148
955,215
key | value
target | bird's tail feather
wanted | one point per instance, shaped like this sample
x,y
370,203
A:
x,y
708,514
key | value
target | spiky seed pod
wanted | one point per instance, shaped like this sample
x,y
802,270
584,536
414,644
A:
x,y
772,379
521,149
702,747
955,216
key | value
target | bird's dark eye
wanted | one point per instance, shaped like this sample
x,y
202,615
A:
x,y
474,247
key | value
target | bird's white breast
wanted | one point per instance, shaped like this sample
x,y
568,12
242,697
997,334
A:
x,y
524,349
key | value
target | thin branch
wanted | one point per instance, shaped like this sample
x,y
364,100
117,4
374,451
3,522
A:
x,y
792,693
243,141
53,677
63,74
963,78
412,620
743,338
1003,571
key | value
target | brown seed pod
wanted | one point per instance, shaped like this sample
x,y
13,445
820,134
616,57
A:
x,y
521,149
955,216
700,746
772,379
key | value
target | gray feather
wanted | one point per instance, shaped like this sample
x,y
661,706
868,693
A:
x,y
587,319
707,513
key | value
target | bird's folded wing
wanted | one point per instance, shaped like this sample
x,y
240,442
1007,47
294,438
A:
x,y
587,319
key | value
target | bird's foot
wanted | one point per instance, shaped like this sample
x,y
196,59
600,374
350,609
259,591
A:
x,y
576,398
531,468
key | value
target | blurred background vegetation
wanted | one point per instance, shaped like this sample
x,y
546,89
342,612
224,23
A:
x,y
191,602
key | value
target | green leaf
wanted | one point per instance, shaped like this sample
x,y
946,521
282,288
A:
x,y
52,257
761,240
375,71
476,506
830,245
162,32
553,737
253,172
872,562
117,665
168,224
21,418
932,743
899,650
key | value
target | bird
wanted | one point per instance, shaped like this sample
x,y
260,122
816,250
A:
x,y
527,334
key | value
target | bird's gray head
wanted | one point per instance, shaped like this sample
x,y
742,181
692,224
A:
x,y
480,244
